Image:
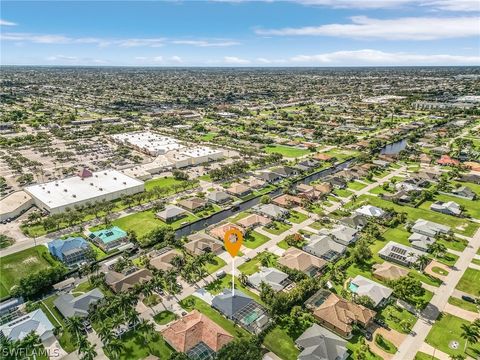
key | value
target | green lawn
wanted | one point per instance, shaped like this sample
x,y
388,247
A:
x,y
286,151
446,329
99,253
209,136
164,317
470,282
297,217
254,240
422,356
219,285
386,345
355,343
278,341
472,207
217,263
15,266
252,266
466,305
277,228
355,185
462,226
135,347
145,221
166,182
192,302
283,245
344,193
396,317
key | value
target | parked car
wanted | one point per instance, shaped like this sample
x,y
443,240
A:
x,y
468,298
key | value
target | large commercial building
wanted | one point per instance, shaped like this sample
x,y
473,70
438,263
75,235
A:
x,y
87,187
194,156
148,142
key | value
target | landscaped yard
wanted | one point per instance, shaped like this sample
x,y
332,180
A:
x,y
277,228
15,266
164,317
166,182
297,217
344,193
398,318
254,240
422,356
447,329
472,207
192,302
355,185
470,282
466,305
217,263
286,151
135,347
219,285
278,341
252,266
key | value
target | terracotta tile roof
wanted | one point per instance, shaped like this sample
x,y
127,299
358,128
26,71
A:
x,y
287,200
162,262
253,220
447,160
219,231
297,259
389,271
342,314
192,203
119,282
193,328
322,157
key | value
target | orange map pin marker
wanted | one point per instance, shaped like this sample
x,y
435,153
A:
x,y
233,241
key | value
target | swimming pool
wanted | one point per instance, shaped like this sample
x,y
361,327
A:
x,y
353,288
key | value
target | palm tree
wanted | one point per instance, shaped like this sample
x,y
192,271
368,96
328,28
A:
x,y
145,329
470,333
88,352
105,332
457,357
422,261
114,348
31,341
75,326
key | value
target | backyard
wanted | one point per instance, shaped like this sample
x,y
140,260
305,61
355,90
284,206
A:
x,y
286,151
470,282
254,240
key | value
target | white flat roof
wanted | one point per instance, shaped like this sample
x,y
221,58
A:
x,y
149,141
200,151
75,189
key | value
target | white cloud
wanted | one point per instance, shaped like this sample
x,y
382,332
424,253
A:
x,y
377,57
176,59
147,42
7,23
205,43
410,28
357,4
74,60
158,59
453,5
235,60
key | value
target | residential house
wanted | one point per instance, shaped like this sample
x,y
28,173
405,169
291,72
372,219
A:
x,y
287,201
69,251
446,160
342,234
202,243
378,293
193,204
109,239
449,208
356,221
338,314
285,171
255,183
429,228
324,247
196,334
380,163
35,321
242,309
388,271
239,190
126,280
370,211
421,242
162,259
277,279
471,177
464,193
323,188
218,197
297,259
319,343
271,211
70,306
220,231
337,182
269,177
171,213
323,157
253,220
400,254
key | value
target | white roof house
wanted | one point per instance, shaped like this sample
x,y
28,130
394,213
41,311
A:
x,y
420,241
362,286
35,321
449,207
277,279
370,211
429,228
324,247
148,142
55,196
345,235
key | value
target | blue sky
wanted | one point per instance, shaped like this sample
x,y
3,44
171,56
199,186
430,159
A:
x,y
241,33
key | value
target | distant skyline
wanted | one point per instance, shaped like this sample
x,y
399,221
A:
x,y
320,33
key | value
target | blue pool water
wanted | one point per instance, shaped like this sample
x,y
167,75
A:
x,y
353,287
